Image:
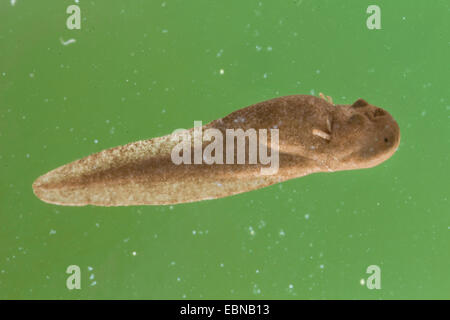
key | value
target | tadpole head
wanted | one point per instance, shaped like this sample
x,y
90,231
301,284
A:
x,y
366,134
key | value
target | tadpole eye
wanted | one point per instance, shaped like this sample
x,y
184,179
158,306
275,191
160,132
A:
x,y
386,140
379,112
360,103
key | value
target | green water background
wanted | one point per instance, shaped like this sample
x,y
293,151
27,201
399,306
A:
x,y
140,69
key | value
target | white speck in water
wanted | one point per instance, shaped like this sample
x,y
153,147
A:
x,y
258,48
265,75
317,71
27,155
194,232
52,232
164,31
134,253
307,216
95,141
362,282
32,75
91,277
321,266
93,283
221,265
269,48
291,286
256,290
252,232
282,233
13,2
172,263
221,71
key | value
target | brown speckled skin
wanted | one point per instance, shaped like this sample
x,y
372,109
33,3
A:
x,y
142,173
